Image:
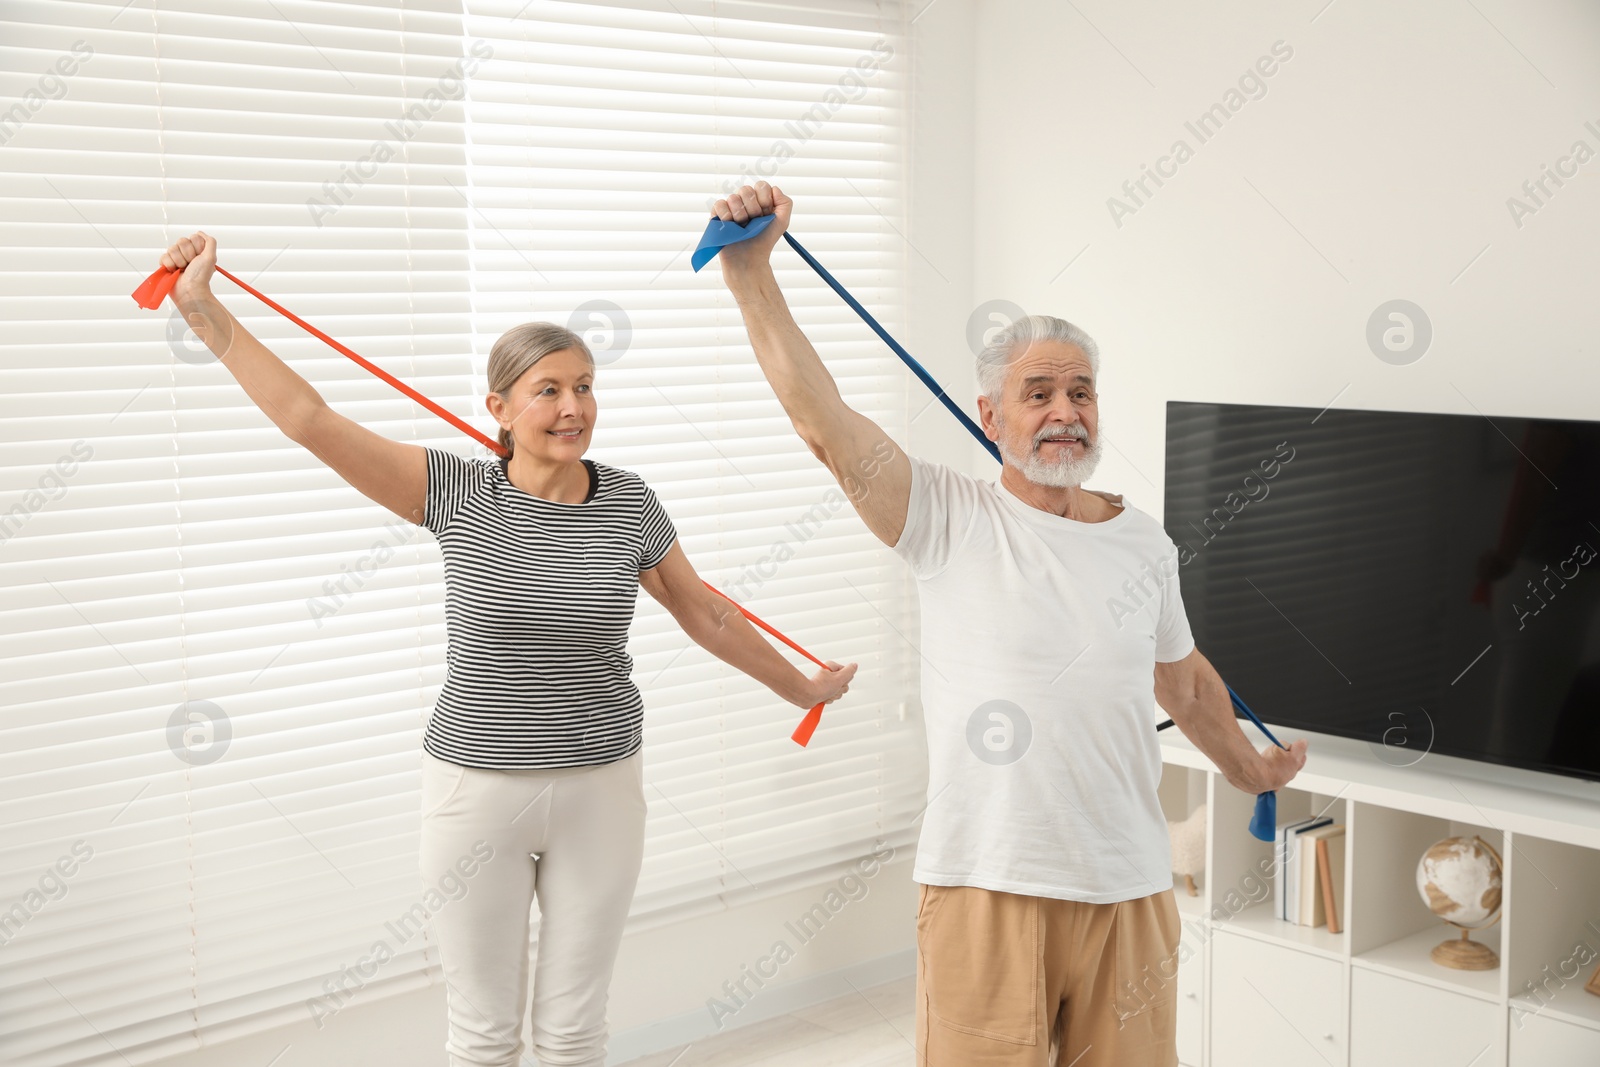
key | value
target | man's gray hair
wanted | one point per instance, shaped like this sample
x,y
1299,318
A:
x,y
996,358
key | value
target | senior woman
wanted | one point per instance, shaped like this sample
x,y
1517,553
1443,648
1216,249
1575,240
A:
x,y
532,773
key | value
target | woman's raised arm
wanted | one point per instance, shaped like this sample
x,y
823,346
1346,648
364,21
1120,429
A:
x,y
390,473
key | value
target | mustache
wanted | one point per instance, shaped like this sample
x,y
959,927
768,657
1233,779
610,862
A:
x,y
1052,431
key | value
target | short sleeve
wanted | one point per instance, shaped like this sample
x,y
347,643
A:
x,y
451,480
943,506
657,534
1174,640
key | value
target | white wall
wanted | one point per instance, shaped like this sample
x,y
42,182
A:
x,y
1376,166
666,976
939,231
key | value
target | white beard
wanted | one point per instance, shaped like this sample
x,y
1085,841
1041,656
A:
x,y
1065,473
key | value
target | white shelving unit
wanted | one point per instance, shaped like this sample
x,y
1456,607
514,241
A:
x,y
1256,991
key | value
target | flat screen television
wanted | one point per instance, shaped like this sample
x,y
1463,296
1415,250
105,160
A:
x,y
1422,582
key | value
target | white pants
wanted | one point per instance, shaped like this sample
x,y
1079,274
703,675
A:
x,y
574,837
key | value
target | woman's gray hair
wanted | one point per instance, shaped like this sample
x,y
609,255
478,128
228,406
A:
x,y
520,348
996,358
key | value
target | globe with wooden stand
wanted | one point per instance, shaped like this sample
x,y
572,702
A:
x,y
1460,880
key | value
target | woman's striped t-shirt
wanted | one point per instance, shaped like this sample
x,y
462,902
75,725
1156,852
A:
x,y
539,596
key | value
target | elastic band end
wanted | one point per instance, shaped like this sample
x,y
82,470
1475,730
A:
x,y
808,726
720,233
156,288
1264,821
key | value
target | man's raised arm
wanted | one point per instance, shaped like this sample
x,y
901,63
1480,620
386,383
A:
x,y
873,471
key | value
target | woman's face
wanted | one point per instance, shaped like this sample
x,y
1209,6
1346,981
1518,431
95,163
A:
x,y
551,408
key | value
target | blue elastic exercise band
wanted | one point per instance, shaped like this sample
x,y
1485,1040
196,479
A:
x,y
720,233
1264,822
905,357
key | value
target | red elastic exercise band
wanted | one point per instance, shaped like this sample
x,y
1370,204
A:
x,y
158,287
808,725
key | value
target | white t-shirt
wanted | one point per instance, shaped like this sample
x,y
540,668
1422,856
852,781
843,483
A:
x,y
1040,636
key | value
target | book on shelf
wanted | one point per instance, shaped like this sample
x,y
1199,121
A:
x,y
1330,863
1286,886
1320,850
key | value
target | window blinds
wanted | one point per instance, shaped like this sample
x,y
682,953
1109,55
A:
x,y
218,656
595,152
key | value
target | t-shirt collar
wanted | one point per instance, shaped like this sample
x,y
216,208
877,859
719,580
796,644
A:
x,y
588,464
1061,522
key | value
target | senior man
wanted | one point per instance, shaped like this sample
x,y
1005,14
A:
x,y
1046,927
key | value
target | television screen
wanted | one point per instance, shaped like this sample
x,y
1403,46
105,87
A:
x,y
1423,582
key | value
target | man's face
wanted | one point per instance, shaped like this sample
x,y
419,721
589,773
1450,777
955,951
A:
x,y
1046,423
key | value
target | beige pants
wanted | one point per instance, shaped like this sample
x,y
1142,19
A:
x,y
1015,981
572,837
